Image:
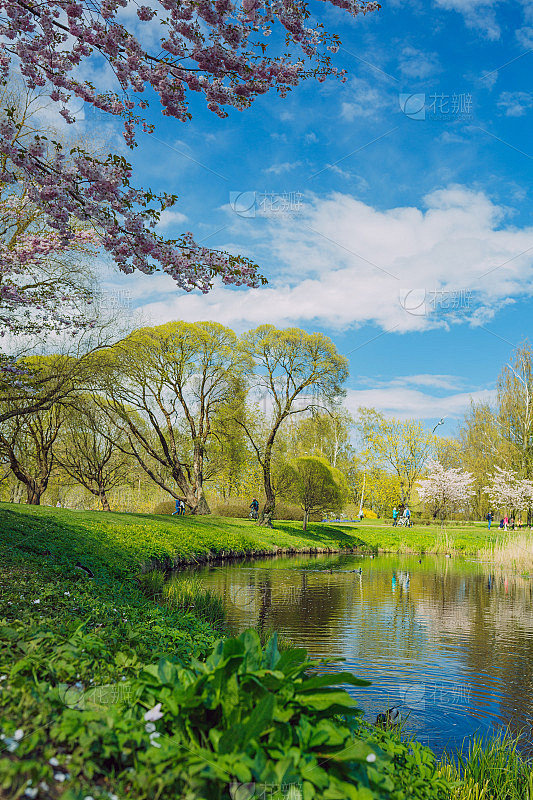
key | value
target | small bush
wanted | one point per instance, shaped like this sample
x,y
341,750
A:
x,y
165,507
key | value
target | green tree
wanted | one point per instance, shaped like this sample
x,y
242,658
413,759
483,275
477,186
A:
x,y
515,409
295,372
27,445
315,486
401,446
482,447
89,453
165,385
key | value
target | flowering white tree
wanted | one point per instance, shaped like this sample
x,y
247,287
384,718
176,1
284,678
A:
x,y
507,491
445,489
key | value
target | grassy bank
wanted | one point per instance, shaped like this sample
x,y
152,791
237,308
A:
x,y
84,659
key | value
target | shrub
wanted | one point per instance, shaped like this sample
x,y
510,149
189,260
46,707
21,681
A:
x,y
165,507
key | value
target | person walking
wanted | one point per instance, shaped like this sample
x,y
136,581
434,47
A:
x,y
407,515
505,522
489,518
182,508
394,517
178,508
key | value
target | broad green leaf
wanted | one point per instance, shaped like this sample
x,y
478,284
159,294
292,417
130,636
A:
x,y
320,701
332,679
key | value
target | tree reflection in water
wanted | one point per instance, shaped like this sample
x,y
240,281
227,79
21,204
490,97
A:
x,y
450,640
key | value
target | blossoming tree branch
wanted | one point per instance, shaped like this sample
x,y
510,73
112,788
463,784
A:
x,y
216,47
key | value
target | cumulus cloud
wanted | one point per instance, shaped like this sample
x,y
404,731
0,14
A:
x,y
169,218
342,263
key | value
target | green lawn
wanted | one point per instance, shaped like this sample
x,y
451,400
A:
x,y
121,543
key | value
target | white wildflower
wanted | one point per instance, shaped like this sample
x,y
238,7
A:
x,y
149,727
58,776
153,714
371,757
53,761
31,792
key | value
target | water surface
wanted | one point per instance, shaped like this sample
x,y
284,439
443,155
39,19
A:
x,y
449,641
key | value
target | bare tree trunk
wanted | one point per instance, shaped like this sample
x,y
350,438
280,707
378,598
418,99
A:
x,y
306,517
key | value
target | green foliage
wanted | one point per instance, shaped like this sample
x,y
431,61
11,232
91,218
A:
x,y
205,730
314,485
492,770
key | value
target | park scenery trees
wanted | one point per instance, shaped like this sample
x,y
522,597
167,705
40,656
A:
x,y
135,417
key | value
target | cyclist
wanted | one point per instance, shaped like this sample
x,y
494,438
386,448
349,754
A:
x,y
254,505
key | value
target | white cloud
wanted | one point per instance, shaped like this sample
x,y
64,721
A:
x,y
169,217
405,403
362,99
524,37
477,14
342,263
279,169
515,104
417,64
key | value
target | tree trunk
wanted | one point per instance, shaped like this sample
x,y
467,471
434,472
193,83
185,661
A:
x,y
270,503
306,517
202,507
104,501
33,494
16,492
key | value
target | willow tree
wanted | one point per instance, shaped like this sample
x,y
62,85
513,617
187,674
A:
x,y
163,387
295,372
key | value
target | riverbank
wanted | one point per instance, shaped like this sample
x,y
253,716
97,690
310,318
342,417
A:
x,y
85,655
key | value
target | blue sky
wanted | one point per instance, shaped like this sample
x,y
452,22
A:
x,y
391,212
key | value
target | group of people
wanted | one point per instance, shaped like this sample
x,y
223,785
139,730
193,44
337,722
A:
x,y
401,518
180,508
506,523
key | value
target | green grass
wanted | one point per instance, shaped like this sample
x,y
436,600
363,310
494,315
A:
x,y
492,770
59,629
122,543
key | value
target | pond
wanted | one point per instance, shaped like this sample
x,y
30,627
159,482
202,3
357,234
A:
x,y
448,640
